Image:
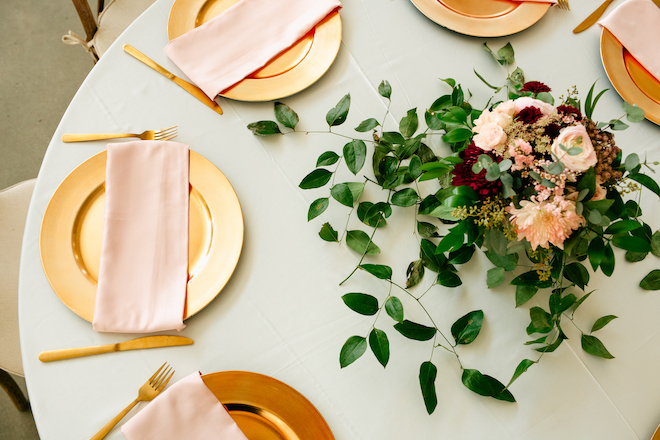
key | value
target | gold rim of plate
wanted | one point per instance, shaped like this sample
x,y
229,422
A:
x,y
267,409
71,230
290,72
483,18
630,79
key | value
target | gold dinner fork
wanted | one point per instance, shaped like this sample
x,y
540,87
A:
x,y
563,4
164,134
147,392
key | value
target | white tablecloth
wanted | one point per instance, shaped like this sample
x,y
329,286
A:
x,y
281,313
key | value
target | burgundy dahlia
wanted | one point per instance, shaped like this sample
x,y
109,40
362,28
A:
x,y
529,115
569,110
535,87
463,174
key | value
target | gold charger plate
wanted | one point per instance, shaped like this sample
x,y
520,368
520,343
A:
x,y
267,409
290,72
70,241
483,18
630,79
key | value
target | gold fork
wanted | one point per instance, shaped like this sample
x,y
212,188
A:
x,y
147,392
563,4
164,134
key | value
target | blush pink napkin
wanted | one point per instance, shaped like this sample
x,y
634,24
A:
x,y
636,24
188,410
143,271
242,39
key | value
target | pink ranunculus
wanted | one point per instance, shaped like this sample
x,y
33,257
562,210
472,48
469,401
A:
x,y
544,223
575,136
490,136
526,101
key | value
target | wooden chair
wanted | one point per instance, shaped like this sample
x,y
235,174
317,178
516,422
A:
x,y
14,202
111,20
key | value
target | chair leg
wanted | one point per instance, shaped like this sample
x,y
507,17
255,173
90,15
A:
x,y
13,391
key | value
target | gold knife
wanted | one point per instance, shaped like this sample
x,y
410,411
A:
x,y
593,18
190,88
133,344
657,2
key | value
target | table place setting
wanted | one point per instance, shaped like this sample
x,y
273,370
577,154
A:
x,y
509,201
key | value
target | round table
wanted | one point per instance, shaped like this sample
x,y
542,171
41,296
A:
x,y
282,314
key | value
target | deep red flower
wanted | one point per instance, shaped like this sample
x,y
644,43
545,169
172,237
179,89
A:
x,y
552,130
463,174
529,115
535,87
569,110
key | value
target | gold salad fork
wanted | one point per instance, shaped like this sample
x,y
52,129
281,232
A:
x,y
563,4
164,134
147,392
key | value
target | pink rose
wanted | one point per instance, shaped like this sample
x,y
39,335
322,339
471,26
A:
x,y
575,137
506,107
490,136
526,101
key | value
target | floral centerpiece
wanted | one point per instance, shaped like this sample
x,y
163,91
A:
x,y
527,180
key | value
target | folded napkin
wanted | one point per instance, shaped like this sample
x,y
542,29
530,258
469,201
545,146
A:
x,y
229,47
144,251
636,24
187,410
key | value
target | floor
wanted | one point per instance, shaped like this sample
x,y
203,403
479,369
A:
x,y
38,77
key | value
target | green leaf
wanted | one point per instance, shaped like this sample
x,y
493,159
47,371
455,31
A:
x,y
367,125
646,181
394,308
414,273
622,226
630,243
507,53
540,321
633,112
485,385
374,221
378,270
531,278
427,375
385,90
342,193
393,137
501,61
655,243
355,153
337,115
448,278
546,97
496,242
632,160
285,115
634,257
497,89
353,348
361,303
459,134
409,147
466,329
462,255
495,277
607,264
264,128
588,182
412,330
428,229
594,346
577,273
651,281
602,322
451,241
409,123
524,294
317,208
430,259
328,233
405,197
360,242
327,158
581,300
316,179
520,369
508,261
380,346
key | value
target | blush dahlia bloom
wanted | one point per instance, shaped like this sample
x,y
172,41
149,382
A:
x,y
545,223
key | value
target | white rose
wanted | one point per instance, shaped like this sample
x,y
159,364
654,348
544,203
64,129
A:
x,y
490,136
526,101
571,137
